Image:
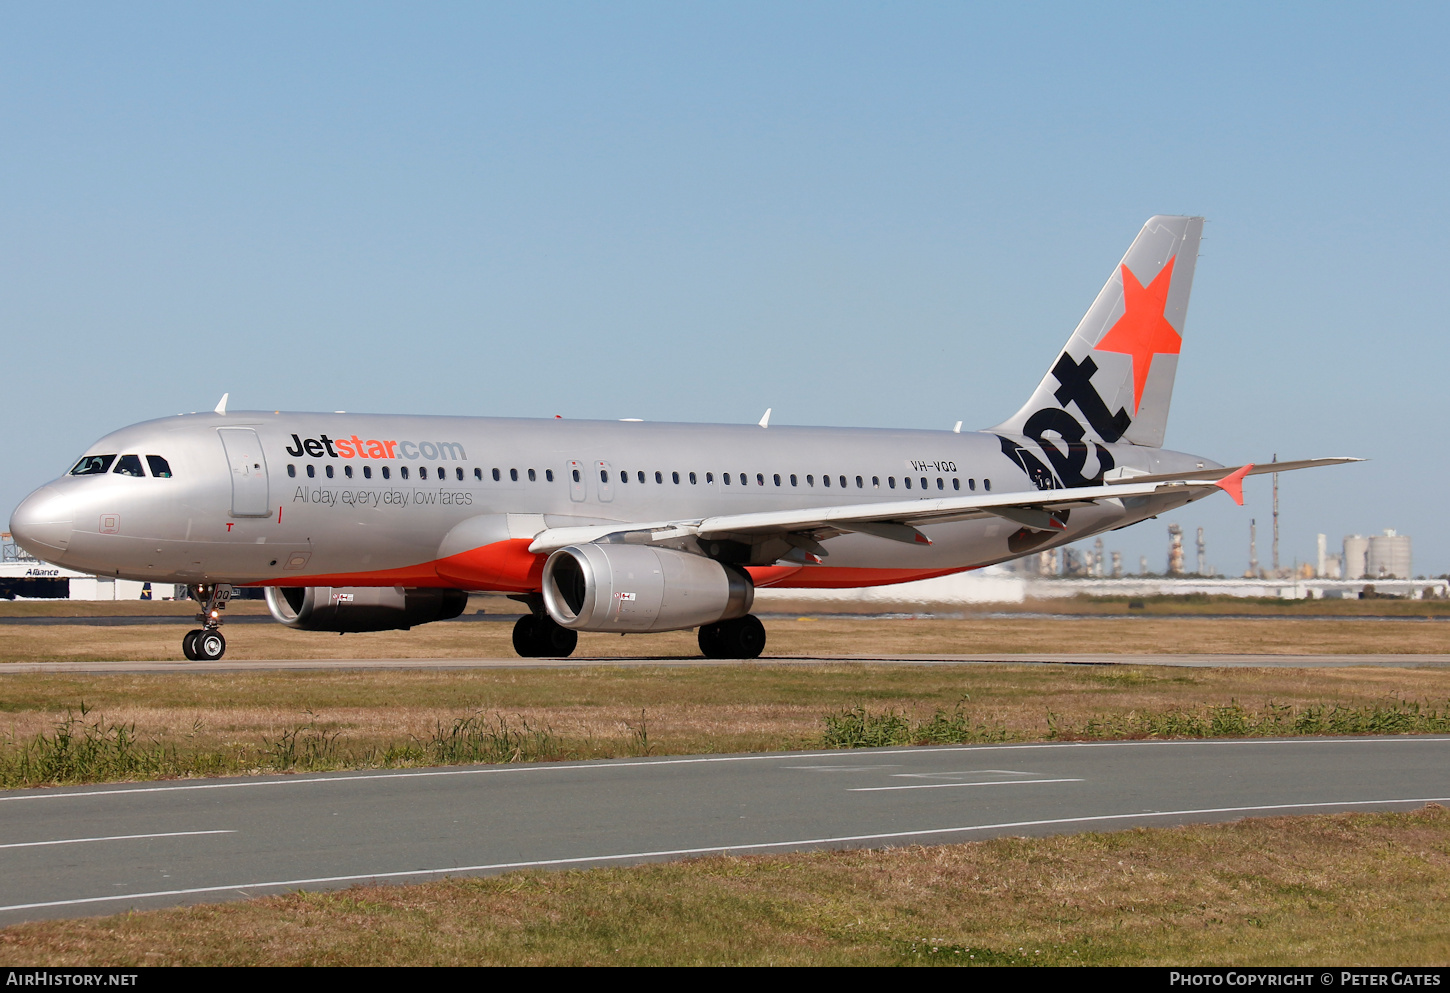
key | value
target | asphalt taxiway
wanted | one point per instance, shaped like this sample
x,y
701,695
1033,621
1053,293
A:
x,y
103,849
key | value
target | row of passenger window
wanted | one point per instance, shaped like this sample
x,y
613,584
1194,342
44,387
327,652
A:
x,y
441,472
841,481
126,465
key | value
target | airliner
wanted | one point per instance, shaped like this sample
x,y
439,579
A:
x,y
362,522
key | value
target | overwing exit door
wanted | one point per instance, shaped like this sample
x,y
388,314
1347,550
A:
x,y
248,471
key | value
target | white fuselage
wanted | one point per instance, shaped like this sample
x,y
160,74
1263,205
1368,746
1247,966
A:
x,y
289,499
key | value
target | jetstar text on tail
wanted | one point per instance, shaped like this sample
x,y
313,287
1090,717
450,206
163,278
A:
x,y
371,448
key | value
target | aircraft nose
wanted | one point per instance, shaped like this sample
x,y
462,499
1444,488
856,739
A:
x,y
42,524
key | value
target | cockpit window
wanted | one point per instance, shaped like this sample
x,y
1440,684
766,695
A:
x,y
160,468
92,465
129,465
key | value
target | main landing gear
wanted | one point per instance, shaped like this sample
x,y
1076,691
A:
x,y
206,644
539,636
737,638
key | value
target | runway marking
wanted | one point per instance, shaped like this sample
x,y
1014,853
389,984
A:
x,y
538,863
943,786
607,764
113,837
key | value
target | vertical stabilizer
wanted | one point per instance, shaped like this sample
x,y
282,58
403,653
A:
x,y
1114,379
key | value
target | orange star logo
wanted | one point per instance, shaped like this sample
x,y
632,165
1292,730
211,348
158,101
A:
x,y
1143,331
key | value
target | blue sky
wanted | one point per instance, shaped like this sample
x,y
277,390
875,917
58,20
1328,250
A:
x,y
857,214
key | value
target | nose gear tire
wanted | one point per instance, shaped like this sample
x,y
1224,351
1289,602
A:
x,y
209,646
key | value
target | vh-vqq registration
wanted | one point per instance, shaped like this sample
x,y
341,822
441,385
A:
x,y
366,522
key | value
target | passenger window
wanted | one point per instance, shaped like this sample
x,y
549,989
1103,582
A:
x,y
659,476
709,477
940,484
727,479
402,471
311,472
825,480
792,479
422,472
876,482
906,481
956,483
548,475
367,472
843,482
478,474
92,465
641,475
860,483
496,476
576,475
810,480
292,471
387,473
692,479
923,482
458,473
624,476
891,481
675,476
987,485
760,479
129,465
776,477
533,477
514,475
160,468
603,475
327,470
347,471
442,473
972,485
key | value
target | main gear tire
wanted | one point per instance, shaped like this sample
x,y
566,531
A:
x,y
542,637
188,645
738,638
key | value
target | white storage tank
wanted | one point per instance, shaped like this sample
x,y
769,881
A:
x,y
1388,556
1356,556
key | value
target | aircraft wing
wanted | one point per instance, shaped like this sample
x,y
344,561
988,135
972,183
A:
x,y
899,519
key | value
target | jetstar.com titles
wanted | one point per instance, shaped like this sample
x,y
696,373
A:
x,y
372,448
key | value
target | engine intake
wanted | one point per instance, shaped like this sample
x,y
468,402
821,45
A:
x,y
361,608
639,588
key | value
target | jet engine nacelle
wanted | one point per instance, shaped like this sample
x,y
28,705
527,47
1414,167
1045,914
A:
x,y
639,588
362,608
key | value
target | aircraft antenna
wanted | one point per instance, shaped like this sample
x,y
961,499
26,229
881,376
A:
x,y
221,406
765,421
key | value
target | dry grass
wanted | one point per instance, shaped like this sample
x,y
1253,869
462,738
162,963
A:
x,y
688,710
804,638
1356,889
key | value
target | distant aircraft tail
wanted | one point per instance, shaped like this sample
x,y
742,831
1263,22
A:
x,y
1114,378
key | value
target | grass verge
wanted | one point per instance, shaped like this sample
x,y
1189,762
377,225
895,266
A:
x,y
75,729
1349,889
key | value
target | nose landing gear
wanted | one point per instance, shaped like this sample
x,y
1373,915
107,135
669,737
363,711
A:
x,y
206,644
